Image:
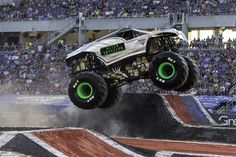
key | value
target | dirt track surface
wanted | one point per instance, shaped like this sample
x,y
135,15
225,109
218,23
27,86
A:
x,y
178,146
181,111
74,142
129,119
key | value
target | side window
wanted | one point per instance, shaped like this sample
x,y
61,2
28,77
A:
x,y
130,34
135,34
127,35
121,34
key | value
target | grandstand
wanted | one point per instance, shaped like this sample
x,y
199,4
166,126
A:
x,y
36,36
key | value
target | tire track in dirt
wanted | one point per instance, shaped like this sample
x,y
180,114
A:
x,y
180,146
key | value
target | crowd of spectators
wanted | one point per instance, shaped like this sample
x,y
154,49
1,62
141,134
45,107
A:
x,y
38,70
42,70
213,42
217,69
56,9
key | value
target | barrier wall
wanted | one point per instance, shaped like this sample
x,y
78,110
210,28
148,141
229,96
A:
x,y
117,23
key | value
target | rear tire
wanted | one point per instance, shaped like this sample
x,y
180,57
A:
x,y
87,90
113,97
168,70
192,77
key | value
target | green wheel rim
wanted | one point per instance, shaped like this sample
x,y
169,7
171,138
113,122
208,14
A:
x,y
166,70
84,90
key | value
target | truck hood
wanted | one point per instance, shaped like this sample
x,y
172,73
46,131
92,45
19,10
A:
x,y
97,45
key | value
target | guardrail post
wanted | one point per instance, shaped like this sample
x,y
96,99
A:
x,y
82,31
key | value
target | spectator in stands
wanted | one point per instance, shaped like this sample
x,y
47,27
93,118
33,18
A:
x,y
6,46
47,74
49,10
217,72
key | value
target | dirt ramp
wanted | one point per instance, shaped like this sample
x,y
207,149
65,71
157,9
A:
x,y
63,143
180,109
80,142
148,116
189,110
136,115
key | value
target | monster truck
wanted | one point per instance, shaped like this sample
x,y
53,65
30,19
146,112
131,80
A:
x,y
100,68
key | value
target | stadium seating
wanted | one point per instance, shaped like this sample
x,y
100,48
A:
x,y
50,10
30,69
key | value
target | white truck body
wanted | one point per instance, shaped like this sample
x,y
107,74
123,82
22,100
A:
x,y
134,46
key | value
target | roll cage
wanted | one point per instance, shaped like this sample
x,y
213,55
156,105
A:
x,y
125,33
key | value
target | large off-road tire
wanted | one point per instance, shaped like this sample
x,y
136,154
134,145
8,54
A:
x,y
193,75
87,90
113,97
168,70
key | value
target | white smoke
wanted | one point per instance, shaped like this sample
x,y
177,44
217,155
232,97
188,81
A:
x,y
14,113
97,119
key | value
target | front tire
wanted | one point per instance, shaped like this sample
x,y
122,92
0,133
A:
x,y
113,97
87,90
168,70
192,77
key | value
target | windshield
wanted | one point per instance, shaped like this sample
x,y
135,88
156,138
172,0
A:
x,y
125,33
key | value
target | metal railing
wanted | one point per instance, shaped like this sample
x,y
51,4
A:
x,y
51,37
